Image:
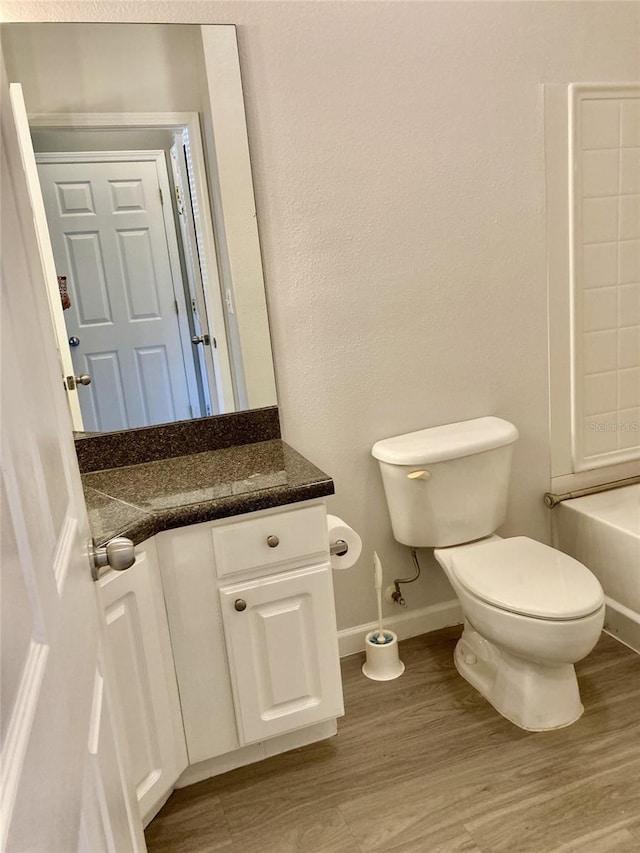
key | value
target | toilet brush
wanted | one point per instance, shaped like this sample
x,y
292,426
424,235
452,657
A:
x,y
380,637
382,663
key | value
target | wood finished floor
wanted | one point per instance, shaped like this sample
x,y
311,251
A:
x,y
423,764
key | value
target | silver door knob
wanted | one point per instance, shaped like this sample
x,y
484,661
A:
x,y
202,339
74,381
240,604
119,554
273,541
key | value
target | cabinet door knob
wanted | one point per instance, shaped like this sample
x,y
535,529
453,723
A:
x,y
273,541
240,604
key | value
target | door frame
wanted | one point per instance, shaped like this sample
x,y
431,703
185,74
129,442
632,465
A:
x,y
182,178
157,157
189,124
45,249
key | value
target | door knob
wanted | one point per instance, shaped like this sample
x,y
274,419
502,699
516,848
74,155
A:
x,y
119,554
203,339
240,604
74,341
74,381
273,541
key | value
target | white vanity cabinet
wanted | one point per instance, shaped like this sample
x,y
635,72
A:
x,y
141,672
252,621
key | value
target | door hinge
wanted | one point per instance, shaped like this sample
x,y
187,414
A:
x,y
161,196
179,201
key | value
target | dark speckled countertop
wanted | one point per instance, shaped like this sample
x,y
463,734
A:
x,y
143,499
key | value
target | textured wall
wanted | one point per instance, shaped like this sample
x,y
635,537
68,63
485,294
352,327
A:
x,y
398,163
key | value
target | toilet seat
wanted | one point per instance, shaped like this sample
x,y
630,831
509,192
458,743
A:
x,y
523,576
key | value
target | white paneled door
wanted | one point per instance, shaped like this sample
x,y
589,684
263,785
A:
x,y
61,783
109,239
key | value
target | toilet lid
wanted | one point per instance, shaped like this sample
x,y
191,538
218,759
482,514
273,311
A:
x,y
527,577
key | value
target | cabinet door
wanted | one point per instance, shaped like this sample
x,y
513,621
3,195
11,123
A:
x,y
141,670
197,636
283,651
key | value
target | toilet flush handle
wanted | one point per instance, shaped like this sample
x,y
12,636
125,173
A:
x,y
419,475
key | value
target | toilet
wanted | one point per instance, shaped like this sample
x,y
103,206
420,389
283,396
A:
x,y
530,612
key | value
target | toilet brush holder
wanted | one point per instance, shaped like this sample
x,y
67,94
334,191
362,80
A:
x,y
383,662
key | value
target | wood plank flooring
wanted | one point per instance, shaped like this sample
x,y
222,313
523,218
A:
x,y
423,764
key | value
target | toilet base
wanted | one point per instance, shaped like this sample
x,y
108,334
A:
x,y
536,697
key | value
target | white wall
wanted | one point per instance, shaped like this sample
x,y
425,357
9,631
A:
x,y
398,163
88,75
60,139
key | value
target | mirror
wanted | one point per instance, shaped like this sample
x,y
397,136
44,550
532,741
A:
x,y
139,134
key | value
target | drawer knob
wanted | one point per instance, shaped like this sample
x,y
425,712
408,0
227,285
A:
x,y
240,604
273,541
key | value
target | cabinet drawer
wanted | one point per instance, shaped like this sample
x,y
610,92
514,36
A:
x,y
270,540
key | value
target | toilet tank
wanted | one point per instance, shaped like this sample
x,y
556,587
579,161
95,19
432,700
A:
x,y
448,484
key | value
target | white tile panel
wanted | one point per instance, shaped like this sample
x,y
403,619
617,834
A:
x,y
600,265
630,123
600,309
600,220
628,387
600,172
600,123
629,347
599,351
605,273
629,262
629,217
628,428
600,434
600,392
629,305
630,171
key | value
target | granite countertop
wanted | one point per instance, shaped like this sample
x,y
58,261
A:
x,y
141,500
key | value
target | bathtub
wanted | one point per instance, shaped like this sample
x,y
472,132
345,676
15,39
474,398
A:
x,y
603,532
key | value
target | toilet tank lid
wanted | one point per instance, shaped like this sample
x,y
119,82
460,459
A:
x,y
441,443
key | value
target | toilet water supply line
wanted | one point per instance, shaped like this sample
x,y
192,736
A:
x,y
396,596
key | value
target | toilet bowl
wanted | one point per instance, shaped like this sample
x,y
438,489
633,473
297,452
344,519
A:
x,y
530,612
521,638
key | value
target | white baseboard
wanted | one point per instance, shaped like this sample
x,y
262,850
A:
x,y
405,625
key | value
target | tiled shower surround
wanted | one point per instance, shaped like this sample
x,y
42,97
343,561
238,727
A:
x,y
605,210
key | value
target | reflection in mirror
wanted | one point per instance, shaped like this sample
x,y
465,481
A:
x,y
140,143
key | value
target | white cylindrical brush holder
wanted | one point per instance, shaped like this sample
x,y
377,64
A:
x,y
383,662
